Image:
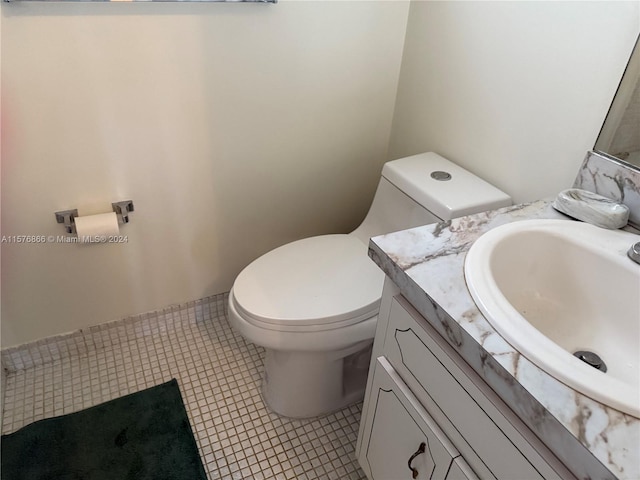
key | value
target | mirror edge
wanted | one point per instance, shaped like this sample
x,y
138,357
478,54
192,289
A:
x,y
607,130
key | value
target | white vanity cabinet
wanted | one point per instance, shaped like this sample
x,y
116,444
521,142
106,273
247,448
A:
x,y
404,441
420,391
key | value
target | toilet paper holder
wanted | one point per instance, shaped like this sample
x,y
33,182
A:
x,y
123,209
68,218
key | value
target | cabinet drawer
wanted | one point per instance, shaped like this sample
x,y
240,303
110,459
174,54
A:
x,y
396,429
487,440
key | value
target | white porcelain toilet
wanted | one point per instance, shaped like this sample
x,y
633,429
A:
x,y
313,303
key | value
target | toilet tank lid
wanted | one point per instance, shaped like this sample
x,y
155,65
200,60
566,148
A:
x,y
462,194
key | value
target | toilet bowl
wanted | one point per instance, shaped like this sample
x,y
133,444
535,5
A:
x,y
313,303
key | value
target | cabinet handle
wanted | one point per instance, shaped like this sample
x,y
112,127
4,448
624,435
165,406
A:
x,y
420,450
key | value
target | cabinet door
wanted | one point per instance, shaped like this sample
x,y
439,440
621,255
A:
x,y
460,470
400,435
472,421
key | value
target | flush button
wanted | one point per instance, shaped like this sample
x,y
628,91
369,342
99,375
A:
x,y
441,176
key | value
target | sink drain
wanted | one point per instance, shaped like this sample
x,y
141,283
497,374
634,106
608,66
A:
x,y
592,359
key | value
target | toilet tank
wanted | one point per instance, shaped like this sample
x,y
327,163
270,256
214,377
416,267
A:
x,y
426,188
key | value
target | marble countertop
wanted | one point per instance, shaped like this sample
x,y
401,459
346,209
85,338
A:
x,y
427,264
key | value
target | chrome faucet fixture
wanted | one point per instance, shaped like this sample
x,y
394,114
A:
x,y
634,252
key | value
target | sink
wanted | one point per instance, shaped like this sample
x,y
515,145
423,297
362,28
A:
x,y
555,287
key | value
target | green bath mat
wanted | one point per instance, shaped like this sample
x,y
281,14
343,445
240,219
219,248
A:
x,y
142,436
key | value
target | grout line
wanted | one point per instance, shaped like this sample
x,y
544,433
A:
x,y
219,374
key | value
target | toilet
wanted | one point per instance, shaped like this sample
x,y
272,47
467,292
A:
x,y
313,303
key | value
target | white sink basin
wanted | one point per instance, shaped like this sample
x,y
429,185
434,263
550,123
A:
x,y
553,287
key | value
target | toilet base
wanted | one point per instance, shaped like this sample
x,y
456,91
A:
x,y
309,384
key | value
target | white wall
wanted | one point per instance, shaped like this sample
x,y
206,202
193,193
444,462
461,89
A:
x,y
514,91
237,127
234,128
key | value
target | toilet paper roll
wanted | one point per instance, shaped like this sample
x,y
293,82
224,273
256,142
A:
x,y
97,228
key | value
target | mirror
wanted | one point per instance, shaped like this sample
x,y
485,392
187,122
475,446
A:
x,y
235,1
620,134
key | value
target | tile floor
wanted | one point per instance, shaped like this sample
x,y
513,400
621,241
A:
x,y
219,377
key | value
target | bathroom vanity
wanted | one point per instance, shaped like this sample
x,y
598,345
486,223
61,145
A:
x,y
448,398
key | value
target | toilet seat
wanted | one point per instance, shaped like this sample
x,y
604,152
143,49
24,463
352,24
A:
x,y
334,281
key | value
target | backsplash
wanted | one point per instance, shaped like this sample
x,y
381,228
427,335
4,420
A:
x,y
617,181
